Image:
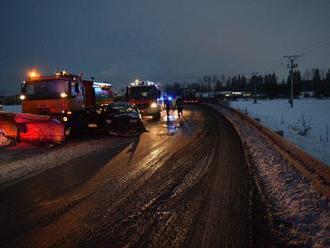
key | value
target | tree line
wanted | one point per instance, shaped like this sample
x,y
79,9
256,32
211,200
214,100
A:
x,y
267,85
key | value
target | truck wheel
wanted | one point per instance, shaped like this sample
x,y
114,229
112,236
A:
x,y
80,124
156,117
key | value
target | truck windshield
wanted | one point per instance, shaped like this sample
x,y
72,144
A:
x,y
120,108
103,94
143,92
50,89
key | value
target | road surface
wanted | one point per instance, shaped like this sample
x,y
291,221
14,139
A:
x,y
182,186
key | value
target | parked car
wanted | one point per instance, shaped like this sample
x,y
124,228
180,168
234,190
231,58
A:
x,y
123,119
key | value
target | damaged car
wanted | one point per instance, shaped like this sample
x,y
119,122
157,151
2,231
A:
x,y
123,119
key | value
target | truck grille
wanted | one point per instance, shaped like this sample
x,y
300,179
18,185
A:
x,y
43,111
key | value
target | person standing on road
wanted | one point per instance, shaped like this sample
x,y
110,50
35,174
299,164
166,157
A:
x,y
167,103
179,106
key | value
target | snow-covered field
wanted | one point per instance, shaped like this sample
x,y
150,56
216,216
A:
x,y
307,124
12,108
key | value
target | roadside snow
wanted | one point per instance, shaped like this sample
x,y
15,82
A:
x,y
47,157
307,124
300,215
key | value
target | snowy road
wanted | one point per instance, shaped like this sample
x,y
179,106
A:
x,y
169,187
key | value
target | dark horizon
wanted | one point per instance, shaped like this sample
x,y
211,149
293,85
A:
x,y
163,41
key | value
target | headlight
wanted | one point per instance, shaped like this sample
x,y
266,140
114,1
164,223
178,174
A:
x,y
65,118
22,97
153,105
63,95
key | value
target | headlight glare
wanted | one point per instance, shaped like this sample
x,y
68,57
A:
x,y
153,105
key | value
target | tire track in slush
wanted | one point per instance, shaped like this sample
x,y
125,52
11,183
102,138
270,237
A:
x,y
172,192
118,175
183,197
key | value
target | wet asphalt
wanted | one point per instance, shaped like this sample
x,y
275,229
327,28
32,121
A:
x,y
184,183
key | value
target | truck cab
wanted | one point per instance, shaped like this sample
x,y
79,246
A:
x,y
145,95
68,97
52,95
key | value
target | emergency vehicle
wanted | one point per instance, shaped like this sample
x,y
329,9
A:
x,y
67,97
145,95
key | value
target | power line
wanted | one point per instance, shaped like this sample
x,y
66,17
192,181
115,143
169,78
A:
x,y
315,46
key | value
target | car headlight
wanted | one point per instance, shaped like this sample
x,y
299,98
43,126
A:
x,y
63,95
153,105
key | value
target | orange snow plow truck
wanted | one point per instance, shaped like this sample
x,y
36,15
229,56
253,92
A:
x,y
62,100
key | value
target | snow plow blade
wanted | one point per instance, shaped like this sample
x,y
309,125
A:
x,y
31,128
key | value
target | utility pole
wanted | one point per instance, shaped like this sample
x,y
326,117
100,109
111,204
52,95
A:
x,y
291,65
254,75
214,86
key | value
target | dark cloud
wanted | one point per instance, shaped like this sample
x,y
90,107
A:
x,y
169,40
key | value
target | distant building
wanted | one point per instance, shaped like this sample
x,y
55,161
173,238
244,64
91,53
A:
x,y
307,94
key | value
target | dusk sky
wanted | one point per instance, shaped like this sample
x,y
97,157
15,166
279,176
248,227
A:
x,y
172,40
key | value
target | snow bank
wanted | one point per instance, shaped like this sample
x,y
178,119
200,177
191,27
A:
x,y
313,115
300,215
30,164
